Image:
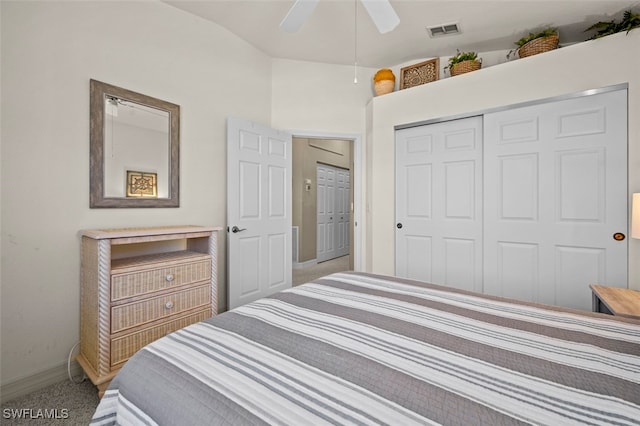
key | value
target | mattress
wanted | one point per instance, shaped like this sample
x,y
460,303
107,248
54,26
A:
x,y
356,348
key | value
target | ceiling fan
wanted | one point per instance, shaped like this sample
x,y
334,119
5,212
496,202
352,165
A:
x,y
380,11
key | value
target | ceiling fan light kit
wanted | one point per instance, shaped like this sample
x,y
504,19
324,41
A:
x,y
381,12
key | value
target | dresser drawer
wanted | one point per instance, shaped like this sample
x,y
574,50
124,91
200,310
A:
x,y
138,313
124,347
152,280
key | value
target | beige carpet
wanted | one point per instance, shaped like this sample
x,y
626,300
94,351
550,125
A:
x,y
339,264
66,403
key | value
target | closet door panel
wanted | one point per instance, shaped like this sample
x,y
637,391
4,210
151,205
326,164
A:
x,y
517,270
343,211
581,185
575,266
333,212
556,178
438,203
517,196
418,261
460,262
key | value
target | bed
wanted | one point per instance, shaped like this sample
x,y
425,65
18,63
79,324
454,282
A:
x,y
357,348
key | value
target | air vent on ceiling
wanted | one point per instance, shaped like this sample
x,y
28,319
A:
x,y
441,30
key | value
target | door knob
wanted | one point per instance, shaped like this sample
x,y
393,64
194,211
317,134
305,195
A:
x,y
235,229
619,236
399,226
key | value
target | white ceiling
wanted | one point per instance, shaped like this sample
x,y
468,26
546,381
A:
x,y
328,36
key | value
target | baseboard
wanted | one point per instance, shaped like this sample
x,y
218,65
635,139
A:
x,y
302,265
37,381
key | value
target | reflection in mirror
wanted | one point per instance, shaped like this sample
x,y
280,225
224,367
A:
x,y
134,149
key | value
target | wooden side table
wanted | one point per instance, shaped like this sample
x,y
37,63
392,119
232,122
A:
x,y
616,301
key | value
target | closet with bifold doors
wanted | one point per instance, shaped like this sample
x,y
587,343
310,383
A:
x,y
522,202
333,212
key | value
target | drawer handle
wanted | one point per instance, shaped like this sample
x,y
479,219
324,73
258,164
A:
x,y
168,305
169,277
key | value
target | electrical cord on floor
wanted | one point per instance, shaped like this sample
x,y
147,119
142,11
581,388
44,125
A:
x,y
84,376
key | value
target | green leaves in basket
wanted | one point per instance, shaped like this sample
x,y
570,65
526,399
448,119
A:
x,y
629,21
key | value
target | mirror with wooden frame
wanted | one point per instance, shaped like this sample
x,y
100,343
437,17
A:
x,y
135,149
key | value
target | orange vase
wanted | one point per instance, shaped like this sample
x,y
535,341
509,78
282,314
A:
x,y
384,81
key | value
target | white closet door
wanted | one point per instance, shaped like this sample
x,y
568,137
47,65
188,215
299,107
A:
x,y
333,212
555,194
343,211
325,235
439,203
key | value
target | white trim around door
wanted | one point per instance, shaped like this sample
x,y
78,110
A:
x,y
356,183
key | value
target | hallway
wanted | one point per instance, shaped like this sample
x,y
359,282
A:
x,y
339,264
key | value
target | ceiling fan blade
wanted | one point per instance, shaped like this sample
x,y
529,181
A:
x,y
382,14
298,15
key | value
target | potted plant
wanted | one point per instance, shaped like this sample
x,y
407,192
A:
x,y
629,21
463,62
539,42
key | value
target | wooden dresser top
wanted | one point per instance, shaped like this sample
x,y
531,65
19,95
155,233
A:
x,y
100,234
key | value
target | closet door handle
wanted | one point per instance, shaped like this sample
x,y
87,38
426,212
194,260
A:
x,y
235,229
399,225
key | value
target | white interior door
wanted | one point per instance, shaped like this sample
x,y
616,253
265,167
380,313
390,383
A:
x,y
258,211
333,212
325,206
343,211
439,203
556,193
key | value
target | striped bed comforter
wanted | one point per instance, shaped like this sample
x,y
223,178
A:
x,y
354,348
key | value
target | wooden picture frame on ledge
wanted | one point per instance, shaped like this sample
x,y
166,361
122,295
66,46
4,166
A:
x,y
417,74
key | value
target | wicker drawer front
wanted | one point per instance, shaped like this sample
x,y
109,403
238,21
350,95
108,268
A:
x,y
124,347
132,314
151,280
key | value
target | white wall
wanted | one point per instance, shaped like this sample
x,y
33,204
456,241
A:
x,y
590,65
314,99
319,97
50,50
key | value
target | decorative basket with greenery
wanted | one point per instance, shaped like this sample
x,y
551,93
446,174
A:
x,y
629,21
463,62
540,42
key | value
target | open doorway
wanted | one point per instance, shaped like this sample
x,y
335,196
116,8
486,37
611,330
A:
x,y
308,216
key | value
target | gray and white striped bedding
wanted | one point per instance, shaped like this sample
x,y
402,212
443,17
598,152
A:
x,y
354,348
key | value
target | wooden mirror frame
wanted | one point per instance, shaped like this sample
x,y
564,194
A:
x,y
97,199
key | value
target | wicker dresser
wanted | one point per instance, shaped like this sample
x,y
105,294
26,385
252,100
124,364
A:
x,y
139,284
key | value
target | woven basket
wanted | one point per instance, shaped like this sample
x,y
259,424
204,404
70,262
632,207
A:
x,y
384,86
464,66
539,45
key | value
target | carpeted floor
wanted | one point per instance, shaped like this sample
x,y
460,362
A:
x,y
74,404
339,264
64,403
